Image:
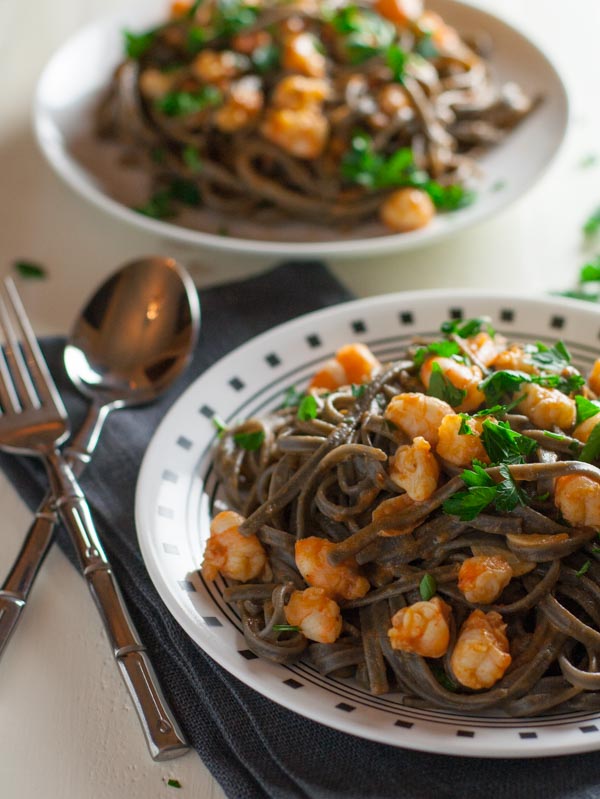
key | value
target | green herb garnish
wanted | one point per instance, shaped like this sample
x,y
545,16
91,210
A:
x,y
585,408
191,158
265,58
365,33
554,358
468,327
591,449
504,445
30,270
285,628
173,783
441,387
508,493
233,16
445,349
467,505
292,398
482,492
175,104
219,424
396,58
159,206
580,572
308,408
444,680
425,46
358,390
195,40
185,191
427,587
592,223
465,429
136,44
250,441
590,272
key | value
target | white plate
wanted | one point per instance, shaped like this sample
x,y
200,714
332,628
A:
x,y
177,489
78,73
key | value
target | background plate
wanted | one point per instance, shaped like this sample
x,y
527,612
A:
x,y
79,72
177,490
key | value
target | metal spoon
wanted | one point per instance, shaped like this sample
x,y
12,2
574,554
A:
x,y
133,339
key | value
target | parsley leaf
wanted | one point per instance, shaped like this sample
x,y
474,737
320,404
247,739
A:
x,y
250,441
365,33
219,425
468,327
585,408
191,158
592,223
583,569
590,272
427,587
441,387
358,390
425,46
173,783
30,270
498,410
186,191
136,44
504,445
396,58
159,206
508,493
467,505
591,450
465,429
265,58
498,384
292,398
308,408
445,349
233,16
554,358
175,104
477,476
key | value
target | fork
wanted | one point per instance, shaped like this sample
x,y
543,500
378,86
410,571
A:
x,y
34,422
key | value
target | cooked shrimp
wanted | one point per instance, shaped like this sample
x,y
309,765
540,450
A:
x,y
301,133
466,378
227,551
594,378
484,577
318,616
422,628
214,67
483,347
242,106
300,54
481,655
457,448
516,359
415,469
407,209
400,12
547,407
417,415
339,582
154,84
353,363
247,43
297,92
578,499
584,430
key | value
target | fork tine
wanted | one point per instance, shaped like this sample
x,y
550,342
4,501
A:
x,y
8,395
36,363
17,370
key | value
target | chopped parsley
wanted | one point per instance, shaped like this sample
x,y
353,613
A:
x,y
292,398
585,408
219,424
30,270
482,492
427,587
250,441
499,410
396,58
468,327
465,428
592,223
265,58
362,165
441,387
173,783
445,349
191,158
285,628
196,38
159,206
185,191
175,104
137,44
425,46
308,408
554,358
584,569
233,16
504,445
507,381
591,449
365,33
590,272
358,390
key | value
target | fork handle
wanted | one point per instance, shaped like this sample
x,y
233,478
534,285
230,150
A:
x,y
163,736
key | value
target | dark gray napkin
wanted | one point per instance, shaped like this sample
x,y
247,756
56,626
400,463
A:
x,y
253,747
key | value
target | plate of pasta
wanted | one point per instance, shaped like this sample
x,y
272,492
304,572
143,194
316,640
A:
x,y
384,516
278,127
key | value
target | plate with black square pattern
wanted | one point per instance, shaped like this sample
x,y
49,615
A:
x,y
178,493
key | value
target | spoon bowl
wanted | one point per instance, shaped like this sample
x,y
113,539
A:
x,y
135,335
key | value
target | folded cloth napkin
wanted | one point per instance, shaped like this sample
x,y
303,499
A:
x,y
253,747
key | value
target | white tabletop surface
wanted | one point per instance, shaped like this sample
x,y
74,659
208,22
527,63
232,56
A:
x,y
68,728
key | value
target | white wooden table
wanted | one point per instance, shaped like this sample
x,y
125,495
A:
x,y
68,729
